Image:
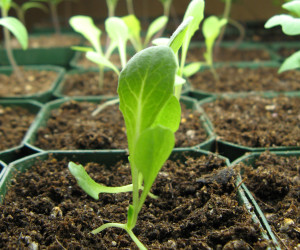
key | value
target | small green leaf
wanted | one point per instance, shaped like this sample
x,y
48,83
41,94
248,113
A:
x,y
154,27
195,10
292,62
86,27
161,41
153,148
101,60
179,81
118,33
212,27
81,48
191,69
178,36
293,6
290,25
134,29
17,28
5,4
169,115
29,5
92,188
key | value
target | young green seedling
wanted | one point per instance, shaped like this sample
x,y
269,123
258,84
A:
x,y
195,10
182,36
234,23
53,10
211,30
14,26
152,116
134,29
290,26
117,31
21,9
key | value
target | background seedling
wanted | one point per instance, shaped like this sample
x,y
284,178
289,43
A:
x,y
211,30
21,9
118,33
290,24
14,26
134,29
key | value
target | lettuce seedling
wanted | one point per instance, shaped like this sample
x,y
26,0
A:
x,y
182,37
152,116
211,30
234,23
13,25
290,24
21,9
134,29
118,33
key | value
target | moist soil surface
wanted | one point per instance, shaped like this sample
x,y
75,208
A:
x,y
224,54
255,121
49,41
73,127
275,184
233,79
32,82
45,208
14,123
85,84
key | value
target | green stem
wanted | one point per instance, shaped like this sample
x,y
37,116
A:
x,y
130,7
9,52
101,77
135,196
226,15
53,10
122,226
241,31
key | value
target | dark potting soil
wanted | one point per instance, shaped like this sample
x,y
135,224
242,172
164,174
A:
x,y
275,183
14,123
84,84
45,208
255,121
233,79
33,82
73,127
230,55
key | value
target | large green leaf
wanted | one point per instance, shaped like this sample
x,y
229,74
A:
x,y
292,62
86,27
290,25
17,28
169,115
153,148
145,85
